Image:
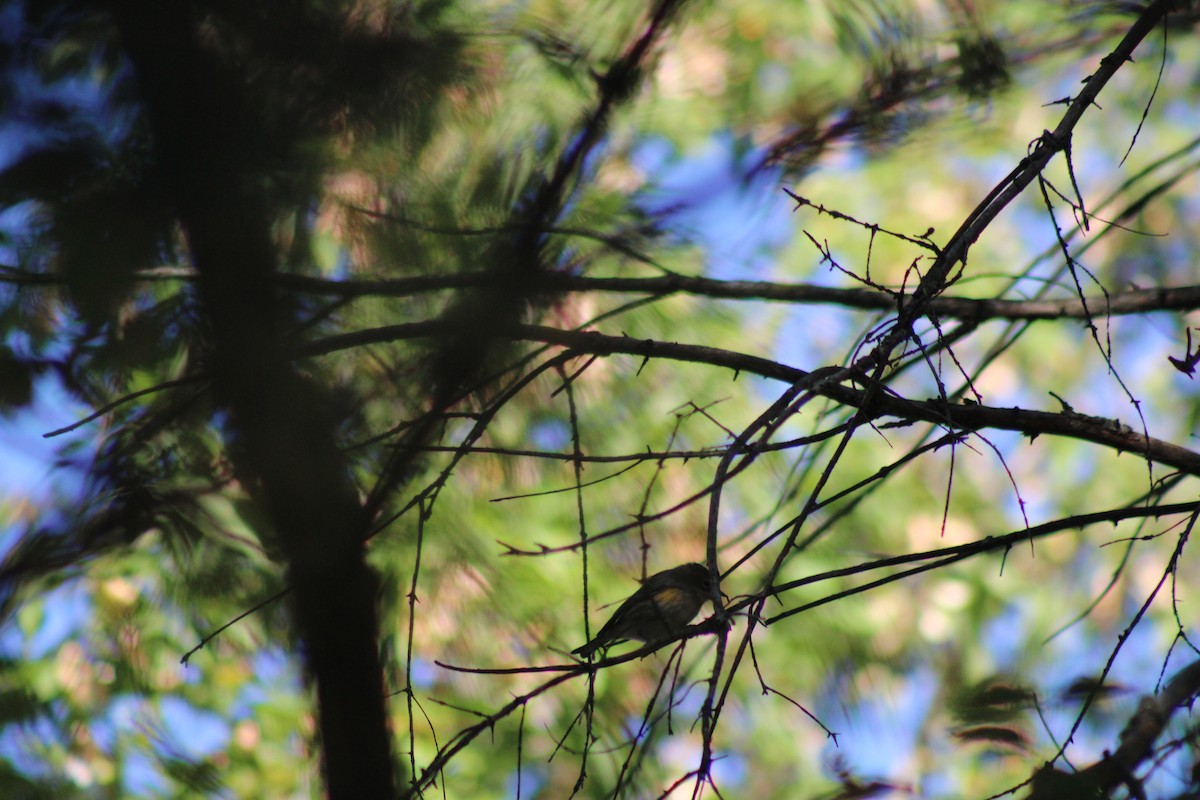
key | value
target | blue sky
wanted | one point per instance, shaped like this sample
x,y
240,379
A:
x,y
739,220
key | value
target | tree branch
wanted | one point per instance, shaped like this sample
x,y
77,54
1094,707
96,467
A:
x,y
965,416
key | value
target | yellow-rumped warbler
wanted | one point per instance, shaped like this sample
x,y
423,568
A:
x,y
663,606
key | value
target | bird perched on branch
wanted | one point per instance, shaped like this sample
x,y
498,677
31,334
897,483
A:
x,y
664,604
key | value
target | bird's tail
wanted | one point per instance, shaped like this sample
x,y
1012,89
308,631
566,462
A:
x,y
586,651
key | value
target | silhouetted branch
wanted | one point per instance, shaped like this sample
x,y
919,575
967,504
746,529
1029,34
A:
x,y
958,416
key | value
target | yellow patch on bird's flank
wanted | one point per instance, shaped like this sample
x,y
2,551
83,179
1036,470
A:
x,y
670,596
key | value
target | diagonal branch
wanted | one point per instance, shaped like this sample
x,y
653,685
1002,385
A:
x,y
956,416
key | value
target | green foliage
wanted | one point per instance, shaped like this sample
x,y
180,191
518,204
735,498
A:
x,y
431,177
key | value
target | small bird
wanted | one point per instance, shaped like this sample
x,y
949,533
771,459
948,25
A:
x,y
664,604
